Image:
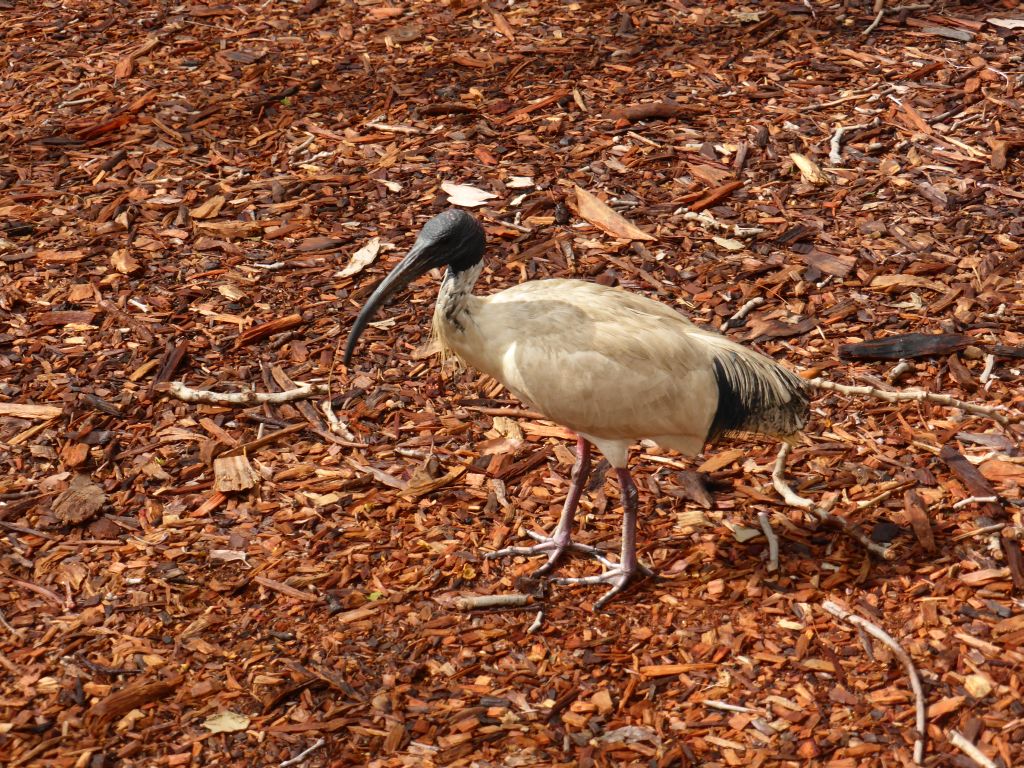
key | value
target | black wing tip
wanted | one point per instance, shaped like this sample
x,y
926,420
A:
x,y
759,408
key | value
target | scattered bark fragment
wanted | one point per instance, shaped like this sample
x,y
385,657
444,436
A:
x,y
269,328
137,695
81,502
175,178
233,473
654,110
917,513
30,411
907,345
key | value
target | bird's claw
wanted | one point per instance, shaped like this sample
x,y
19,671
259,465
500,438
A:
x,y
550,546
616,575
570,546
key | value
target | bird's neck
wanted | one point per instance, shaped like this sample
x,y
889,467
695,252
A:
x,y
455,297
453,313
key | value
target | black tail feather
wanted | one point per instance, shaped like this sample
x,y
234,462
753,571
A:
x,y
761,397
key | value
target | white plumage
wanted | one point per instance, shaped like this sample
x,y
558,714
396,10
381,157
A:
x,y
613,366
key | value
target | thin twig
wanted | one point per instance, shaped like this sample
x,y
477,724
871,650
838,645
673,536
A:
x,y
883,495
824,516
773,541
918,395
975,500
537,623
986,374
995,528
187,394
875,23
915,681
304,753
961,742
741,313
725,706
835,154
336,425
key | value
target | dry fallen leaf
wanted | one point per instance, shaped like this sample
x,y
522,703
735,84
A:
x,y
123,262
1006,23
729,243
465,195
809,169
226,722
604,218
362,258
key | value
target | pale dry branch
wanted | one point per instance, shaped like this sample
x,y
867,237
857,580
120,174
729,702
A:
x,y
537,623
878,20
773,541
741,313
725,706
915,395
962,743
303,754
835,155
824,516
902,367
986,375
480,602
336,425
188,395
915,681
974,500
995,528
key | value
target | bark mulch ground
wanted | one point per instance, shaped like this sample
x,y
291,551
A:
x,y
183,192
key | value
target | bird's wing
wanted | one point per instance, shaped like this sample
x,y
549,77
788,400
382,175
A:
x,y
602,361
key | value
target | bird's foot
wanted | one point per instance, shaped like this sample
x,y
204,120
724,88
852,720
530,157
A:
x,y
618,576
554,547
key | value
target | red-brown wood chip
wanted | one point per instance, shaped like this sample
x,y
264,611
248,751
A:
x,y
181,188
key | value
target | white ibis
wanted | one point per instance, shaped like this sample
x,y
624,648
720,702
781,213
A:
x,y
613,366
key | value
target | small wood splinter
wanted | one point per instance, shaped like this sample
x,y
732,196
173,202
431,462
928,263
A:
x,y
303,754
961,742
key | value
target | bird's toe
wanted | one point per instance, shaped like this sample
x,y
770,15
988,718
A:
x,y
618,577
555,548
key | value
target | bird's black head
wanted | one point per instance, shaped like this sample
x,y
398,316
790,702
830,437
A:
x,y
452,239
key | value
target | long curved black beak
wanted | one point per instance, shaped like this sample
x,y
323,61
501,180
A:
x,y
407,270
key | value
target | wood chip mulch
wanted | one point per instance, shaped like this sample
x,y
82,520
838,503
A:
x,y
191,193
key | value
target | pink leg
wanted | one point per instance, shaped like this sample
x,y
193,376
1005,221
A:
x,y
620,575
560,542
